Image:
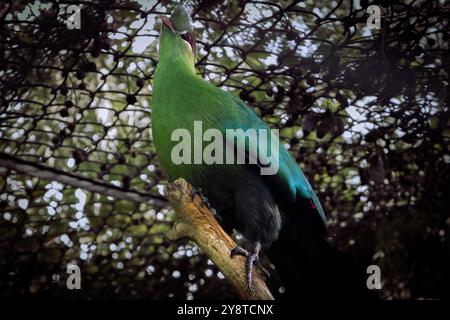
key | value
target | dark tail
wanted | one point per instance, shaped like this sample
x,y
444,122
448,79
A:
x,y
309,267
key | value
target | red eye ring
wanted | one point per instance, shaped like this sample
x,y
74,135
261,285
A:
x,y
186,36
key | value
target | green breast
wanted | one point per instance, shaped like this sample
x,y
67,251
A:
x,y
179,99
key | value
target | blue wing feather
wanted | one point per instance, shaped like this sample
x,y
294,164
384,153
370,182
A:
x,y
290,179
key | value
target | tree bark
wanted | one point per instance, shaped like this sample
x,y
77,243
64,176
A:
x,y
35,169
198,224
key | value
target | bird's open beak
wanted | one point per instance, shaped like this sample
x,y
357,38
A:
x,y
168,23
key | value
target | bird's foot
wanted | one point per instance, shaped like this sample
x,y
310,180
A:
x,y
252,259
204,202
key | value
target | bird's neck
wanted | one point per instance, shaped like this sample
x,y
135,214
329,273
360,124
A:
x,y
173,84
176,64
174,75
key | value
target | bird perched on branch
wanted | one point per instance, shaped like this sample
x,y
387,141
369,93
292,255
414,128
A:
x,y
278,213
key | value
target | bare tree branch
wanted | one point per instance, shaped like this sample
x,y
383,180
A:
x,y
198,224
76,180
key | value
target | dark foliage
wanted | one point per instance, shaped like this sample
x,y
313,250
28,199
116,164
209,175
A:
x,y
365,112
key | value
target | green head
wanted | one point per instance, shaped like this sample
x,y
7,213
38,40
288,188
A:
x,y
177,43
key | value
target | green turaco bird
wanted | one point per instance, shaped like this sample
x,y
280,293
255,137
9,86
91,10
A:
x,y
279,213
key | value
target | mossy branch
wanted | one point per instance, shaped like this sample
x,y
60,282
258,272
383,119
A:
x,y
198,224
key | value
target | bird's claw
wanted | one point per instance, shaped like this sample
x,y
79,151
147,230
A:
x,y
203,198
204,202
239,251
252,259
262,269
196,191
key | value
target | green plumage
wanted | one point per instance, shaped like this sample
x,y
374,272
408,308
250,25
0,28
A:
x,y
279,213
180,97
